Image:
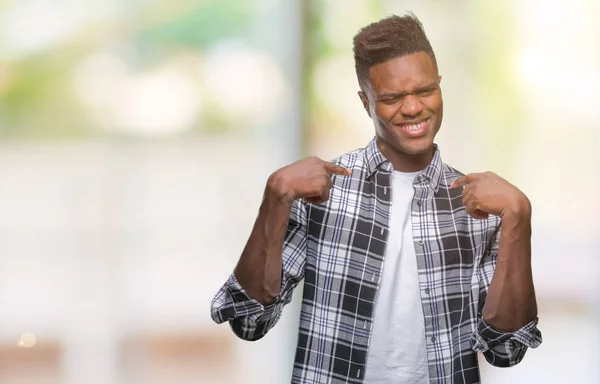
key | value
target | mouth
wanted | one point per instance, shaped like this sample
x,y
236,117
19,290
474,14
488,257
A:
x,y
415,129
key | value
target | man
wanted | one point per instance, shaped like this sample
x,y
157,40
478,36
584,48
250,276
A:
x,y
410,268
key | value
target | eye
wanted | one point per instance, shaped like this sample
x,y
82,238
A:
x,y
425,92
390,101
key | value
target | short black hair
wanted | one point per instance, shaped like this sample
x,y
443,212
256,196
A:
x,y
388,38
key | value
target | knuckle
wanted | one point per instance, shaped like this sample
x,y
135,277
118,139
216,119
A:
x,y
321,183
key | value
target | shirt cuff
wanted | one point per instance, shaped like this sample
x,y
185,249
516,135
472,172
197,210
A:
x,y
487,337
242,305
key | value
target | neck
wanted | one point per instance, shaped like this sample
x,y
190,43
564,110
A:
x,y
404,162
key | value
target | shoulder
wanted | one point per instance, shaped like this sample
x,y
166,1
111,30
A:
x,y
451,172
352,159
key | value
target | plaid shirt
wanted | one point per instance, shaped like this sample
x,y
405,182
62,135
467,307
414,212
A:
x,y
338,248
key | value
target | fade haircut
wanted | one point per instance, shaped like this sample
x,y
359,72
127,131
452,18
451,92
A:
x,y
386,39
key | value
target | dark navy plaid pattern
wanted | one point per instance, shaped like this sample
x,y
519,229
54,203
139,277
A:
x,y
338,248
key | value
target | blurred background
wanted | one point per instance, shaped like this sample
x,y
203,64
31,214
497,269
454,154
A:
x,y
136,137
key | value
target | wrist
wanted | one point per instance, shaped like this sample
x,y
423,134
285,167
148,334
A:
x,y
516,223
277,189
519,211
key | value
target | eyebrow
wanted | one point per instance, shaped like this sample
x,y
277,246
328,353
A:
x,y
425,87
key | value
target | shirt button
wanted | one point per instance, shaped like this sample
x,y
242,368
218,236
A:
x,y
365,325
382,230
373,277
421,242
427,291
433,339
419,203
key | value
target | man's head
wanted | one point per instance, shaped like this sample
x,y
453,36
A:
x,y
398,76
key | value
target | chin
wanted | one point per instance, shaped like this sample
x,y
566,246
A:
x,y
402,144
423,147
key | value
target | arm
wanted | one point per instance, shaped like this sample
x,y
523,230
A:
x,y
510,302
238,302
272,263
508,323
502,346
259,268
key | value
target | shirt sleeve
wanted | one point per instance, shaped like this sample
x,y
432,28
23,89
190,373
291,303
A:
x,y
501,349
249,319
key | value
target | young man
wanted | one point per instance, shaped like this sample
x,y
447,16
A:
x,y
410,268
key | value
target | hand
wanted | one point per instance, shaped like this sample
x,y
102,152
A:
x,y
307,179
487,193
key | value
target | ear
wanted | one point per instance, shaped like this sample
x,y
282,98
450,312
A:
x,y
365,102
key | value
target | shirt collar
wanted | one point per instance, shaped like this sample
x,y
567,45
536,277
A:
x,y
432,173
375,159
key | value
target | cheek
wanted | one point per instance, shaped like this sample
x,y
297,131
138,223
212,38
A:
x,y
384,113
434,103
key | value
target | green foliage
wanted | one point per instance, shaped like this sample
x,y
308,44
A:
x,y
201,25
37,101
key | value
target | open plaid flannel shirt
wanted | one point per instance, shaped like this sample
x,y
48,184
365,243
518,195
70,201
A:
x,y
338,248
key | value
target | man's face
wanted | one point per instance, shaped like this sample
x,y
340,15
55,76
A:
x,y
404,99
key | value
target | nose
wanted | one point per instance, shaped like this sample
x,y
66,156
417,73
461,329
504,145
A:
x,y
411,106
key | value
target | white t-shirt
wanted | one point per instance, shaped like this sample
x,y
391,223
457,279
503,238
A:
x,y
397,353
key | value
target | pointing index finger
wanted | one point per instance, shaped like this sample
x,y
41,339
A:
x,y
336,169
464,180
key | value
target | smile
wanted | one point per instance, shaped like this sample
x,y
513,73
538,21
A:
x,y
416,129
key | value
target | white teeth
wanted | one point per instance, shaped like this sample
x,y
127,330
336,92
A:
x,y
415,127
